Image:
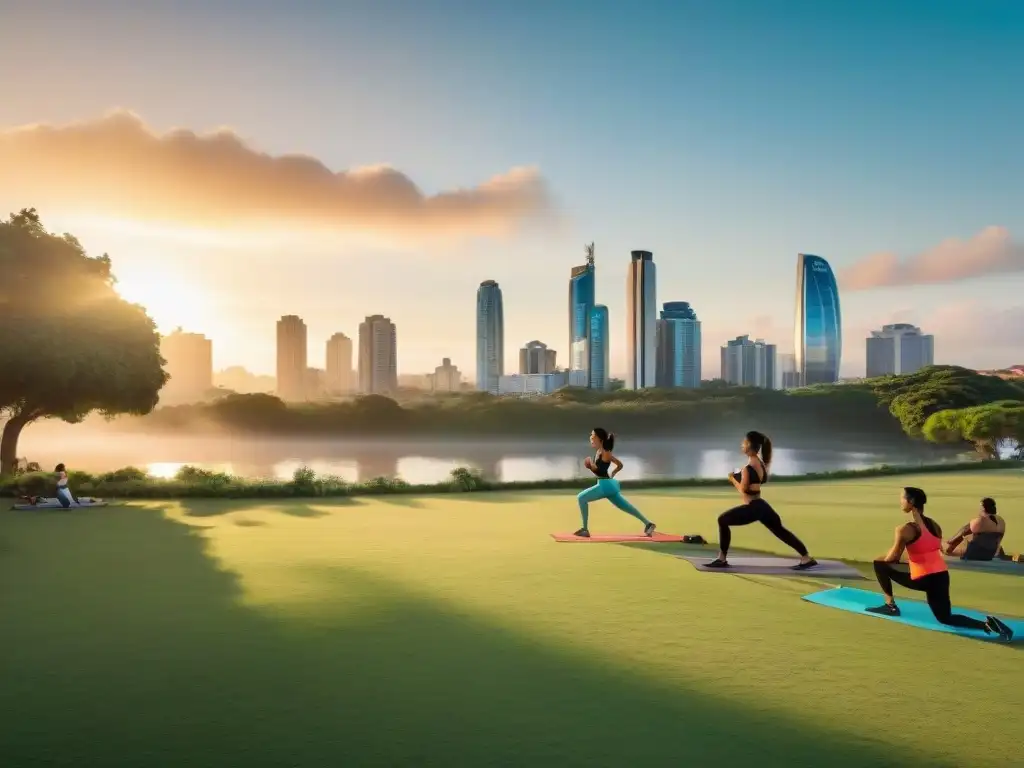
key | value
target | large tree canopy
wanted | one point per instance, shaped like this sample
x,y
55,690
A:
x,y
986,426
69,344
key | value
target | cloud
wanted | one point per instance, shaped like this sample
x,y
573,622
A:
x,y
990,252
116,166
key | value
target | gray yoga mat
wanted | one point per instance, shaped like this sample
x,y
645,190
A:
x,y
54,504
766,565
987,566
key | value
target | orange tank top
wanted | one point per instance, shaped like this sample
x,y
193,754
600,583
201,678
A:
x,y
925,554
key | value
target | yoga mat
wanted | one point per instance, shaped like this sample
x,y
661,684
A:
x,y
657,538
766,565
54,504
987,566
912,612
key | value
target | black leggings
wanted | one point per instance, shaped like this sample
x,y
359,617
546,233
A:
x,y
936,590
757,511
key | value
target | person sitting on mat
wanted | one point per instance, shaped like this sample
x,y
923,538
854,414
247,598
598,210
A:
x,y
748,481
64,494
921,538
982,537
607,487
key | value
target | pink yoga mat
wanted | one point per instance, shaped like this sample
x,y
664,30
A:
x,y
657,538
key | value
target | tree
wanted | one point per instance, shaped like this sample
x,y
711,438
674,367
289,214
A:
x,y
69,344
986,426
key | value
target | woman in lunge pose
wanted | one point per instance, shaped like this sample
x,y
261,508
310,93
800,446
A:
x,y
748,481
607,487
921,538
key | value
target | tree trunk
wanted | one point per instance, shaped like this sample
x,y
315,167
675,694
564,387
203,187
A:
x,y
9,444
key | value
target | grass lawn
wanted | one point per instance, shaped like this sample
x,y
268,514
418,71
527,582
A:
x,y
452,631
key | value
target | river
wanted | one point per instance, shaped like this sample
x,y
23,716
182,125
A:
x,y
420,461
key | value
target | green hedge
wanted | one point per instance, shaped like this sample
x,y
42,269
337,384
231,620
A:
x,y
191,482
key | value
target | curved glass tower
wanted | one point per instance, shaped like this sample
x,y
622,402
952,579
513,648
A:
x,y
490,337
581,302
818,333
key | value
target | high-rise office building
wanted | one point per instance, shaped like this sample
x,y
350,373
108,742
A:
x,y
291,358
790,379
339,376
641,312
378,356
581,302
598,369
189,363
749,363
490,337
446,377
818,329
535,357
679,346
898,349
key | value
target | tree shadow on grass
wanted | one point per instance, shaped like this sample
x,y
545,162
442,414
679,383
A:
x,y
124,644
311,508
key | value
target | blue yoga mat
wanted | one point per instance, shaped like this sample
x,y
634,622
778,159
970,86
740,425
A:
x,y
913,612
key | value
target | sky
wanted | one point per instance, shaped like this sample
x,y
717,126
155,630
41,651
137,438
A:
x,y
240,161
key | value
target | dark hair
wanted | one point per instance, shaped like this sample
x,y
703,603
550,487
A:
x,y
60,468
760,443
989,505
916,497
607,438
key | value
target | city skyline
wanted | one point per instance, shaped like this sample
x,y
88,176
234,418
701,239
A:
x,y
722,173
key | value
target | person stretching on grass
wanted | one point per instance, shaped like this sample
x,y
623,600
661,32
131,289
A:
x,y
921,538
748,481
607,487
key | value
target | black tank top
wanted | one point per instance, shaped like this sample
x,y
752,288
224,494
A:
x,y
600,466
753,478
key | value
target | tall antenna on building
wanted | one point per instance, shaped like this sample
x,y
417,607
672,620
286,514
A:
x,y
590,254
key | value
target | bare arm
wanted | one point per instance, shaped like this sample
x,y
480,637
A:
x,y
615,463
898,545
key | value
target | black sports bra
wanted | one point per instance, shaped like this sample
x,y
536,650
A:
x,y
753,479
601,467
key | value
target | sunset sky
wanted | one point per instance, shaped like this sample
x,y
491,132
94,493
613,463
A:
x,y
435,144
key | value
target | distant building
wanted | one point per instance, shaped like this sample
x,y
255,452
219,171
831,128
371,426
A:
x,y
581,302
678,346
535,357
490,336
599,364
340,376
238,379
818,331
446,377
378,356
291,358
641,312
189,363
315,384
788,371
898,349
749,363
540,383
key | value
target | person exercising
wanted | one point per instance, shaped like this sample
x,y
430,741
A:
x,y
921,538
748,481
64,494
607,487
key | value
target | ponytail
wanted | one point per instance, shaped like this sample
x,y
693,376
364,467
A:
x,y
760,443
609,442
766,451
607,438
989,505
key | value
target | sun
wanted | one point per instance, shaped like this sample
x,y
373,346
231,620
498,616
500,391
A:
x,y
170,299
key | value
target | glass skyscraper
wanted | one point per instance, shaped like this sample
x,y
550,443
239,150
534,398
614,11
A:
x,y
641,313
679,346
490,337
598,376
818,333
581,302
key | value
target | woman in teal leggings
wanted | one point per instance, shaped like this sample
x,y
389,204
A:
x,y
607,486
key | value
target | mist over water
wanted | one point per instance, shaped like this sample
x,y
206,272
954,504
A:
x,y
420,460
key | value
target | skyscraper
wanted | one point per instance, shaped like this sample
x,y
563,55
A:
x,y
378,356
818,331
339,364
446,377
598,376
535,357
898,349
581,301
490,337
679,346
291,358
189,364
641,311
749,363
